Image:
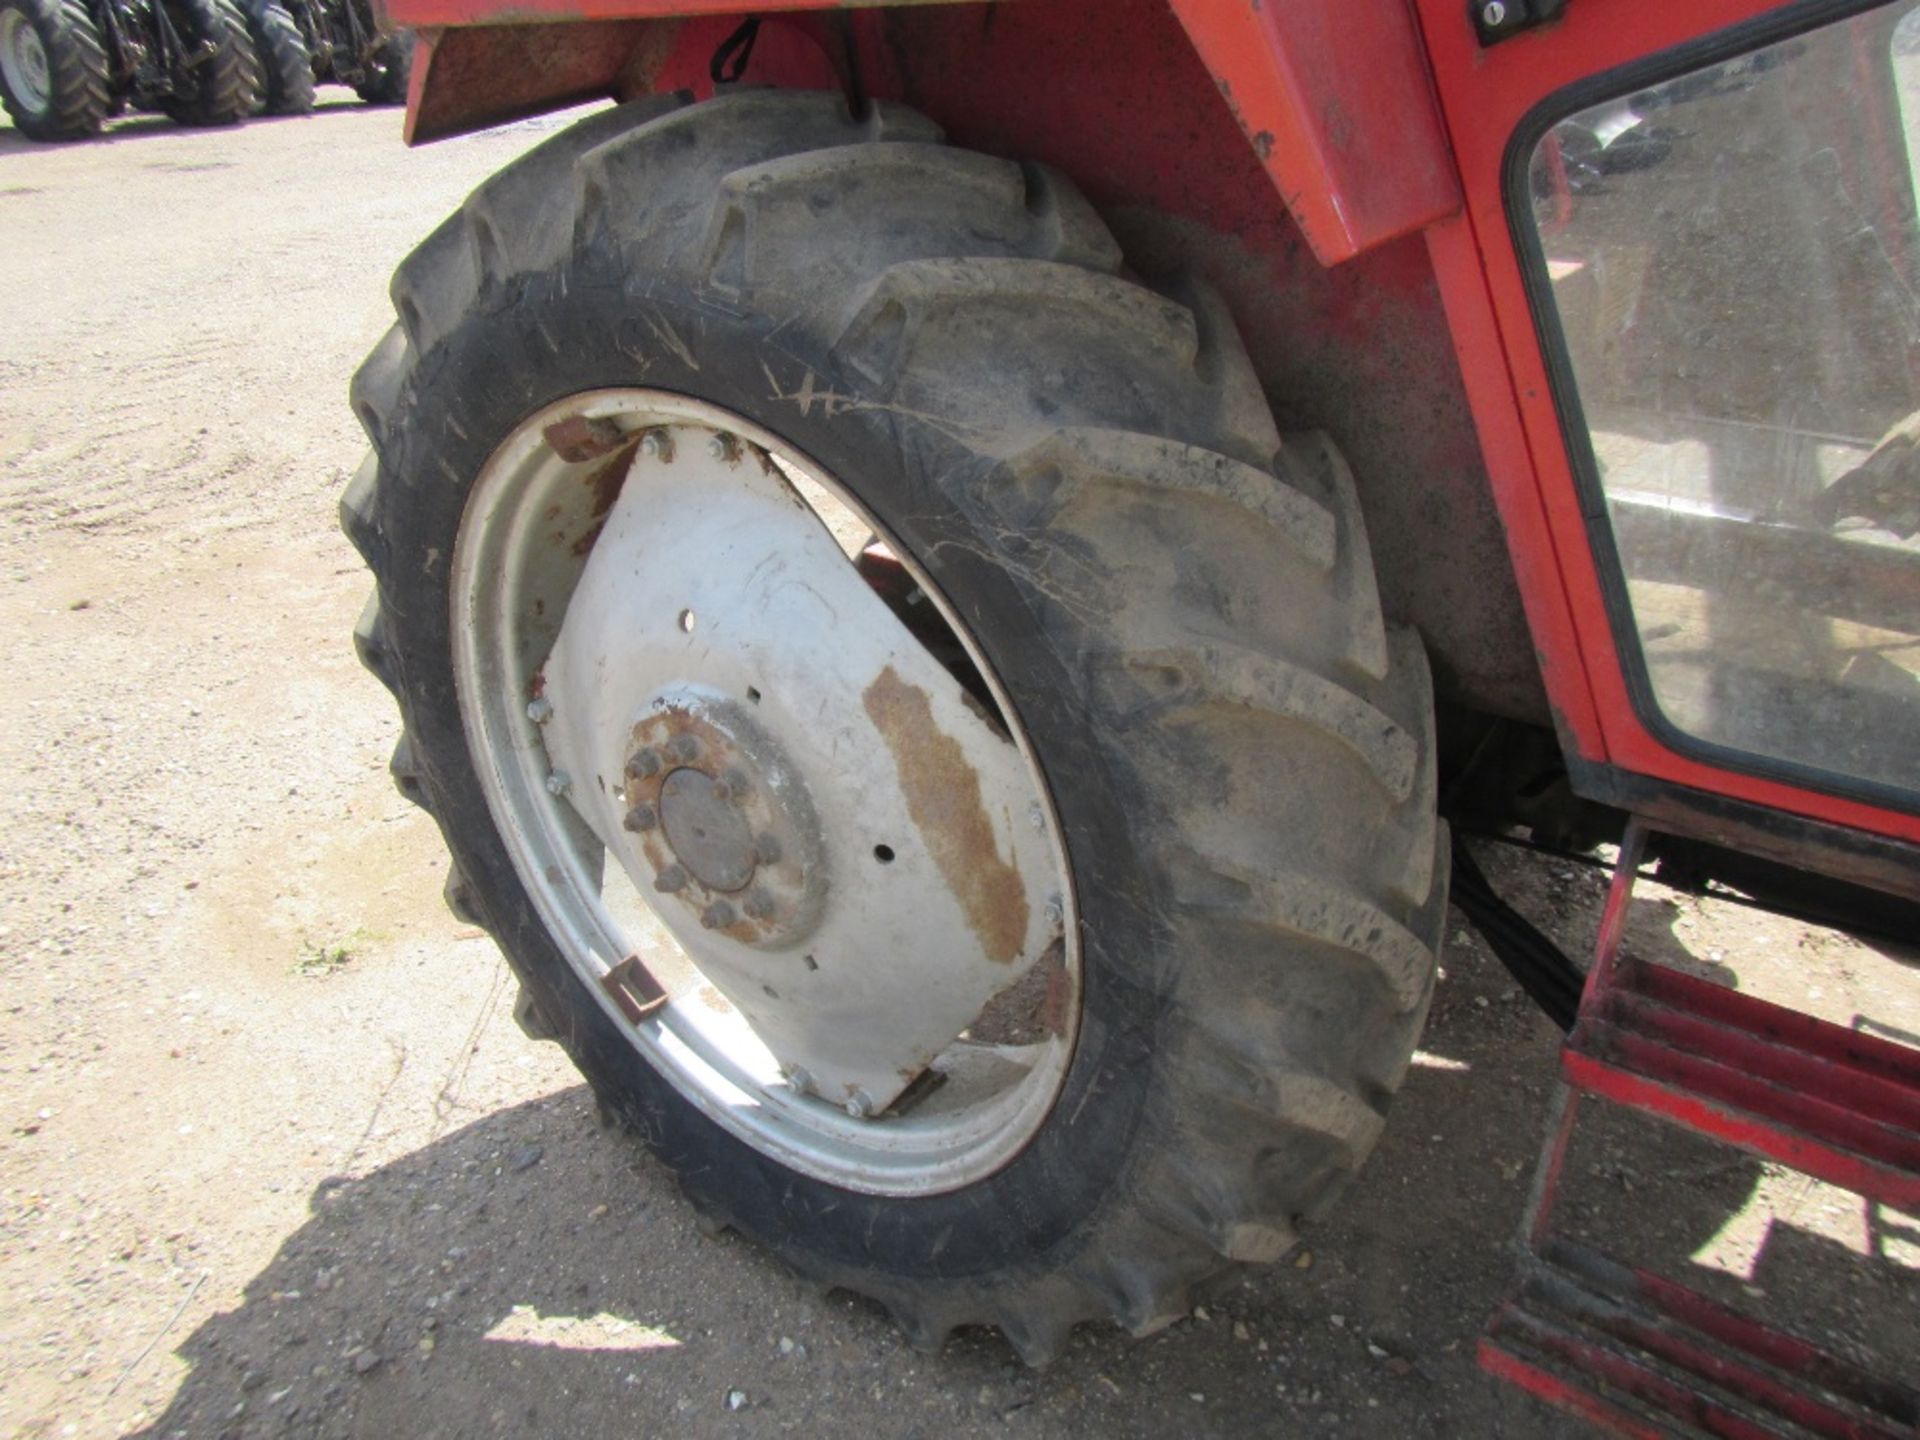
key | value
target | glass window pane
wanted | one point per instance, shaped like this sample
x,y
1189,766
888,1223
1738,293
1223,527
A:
x,y
1732,258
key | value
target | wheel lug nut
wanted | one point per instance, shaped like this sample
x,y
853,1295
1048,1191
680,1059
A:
x,y
641,817
1056,912
717,916
759,906
723,447
800,1079
860,1105
643,764
559,782
766,849
540,710
684,748
657,445
670,879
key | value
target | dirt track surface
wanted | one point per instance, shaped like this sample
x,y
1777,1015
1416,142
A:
x,y
276,1159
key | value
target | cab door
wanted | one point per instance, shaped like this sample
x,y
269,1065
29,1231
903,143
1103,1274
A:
x,y
1685,291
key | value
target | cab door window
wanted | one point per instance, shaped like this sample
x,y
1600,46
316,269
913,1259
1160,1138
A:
x,y
1728,264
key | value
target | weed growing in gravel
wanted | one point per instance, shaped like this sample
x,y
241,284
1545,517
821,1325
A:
x,y
316,962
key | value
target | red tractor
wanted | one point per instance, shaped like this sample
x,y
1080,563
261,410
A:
x,y
949,570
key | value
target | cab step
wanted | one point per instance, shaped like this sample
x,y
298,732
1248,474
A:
x,y
1834,1103
1641,1355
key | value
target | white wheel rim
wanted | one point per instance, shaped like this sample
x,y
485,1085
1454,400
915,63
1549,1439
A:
x,y
551,599
23,59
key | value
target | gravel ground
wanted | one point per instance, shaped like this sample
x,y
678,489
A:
x,y
276,1160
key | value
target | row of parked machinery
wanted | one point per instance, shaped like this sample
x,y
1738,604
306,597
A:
x,y
67,66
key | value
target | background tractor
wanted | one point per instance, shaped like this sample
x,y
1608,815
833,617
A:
x,y
66,65
304,42
956,577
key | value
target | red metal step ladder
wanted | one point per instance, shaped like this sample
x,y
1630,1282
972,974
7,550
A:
x,y
1641,1355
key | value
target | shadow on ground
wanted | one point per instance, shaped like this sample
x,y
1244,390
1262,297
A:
x,y
146,127
534,1274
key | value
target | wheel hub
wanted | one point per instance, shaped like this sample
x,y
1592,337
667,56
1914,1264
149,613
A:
x,y
722,821
711,840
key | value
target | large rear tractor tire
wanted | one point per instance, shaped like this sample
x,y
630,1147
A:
x,y
223,82
53,69
1137,746
285,63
